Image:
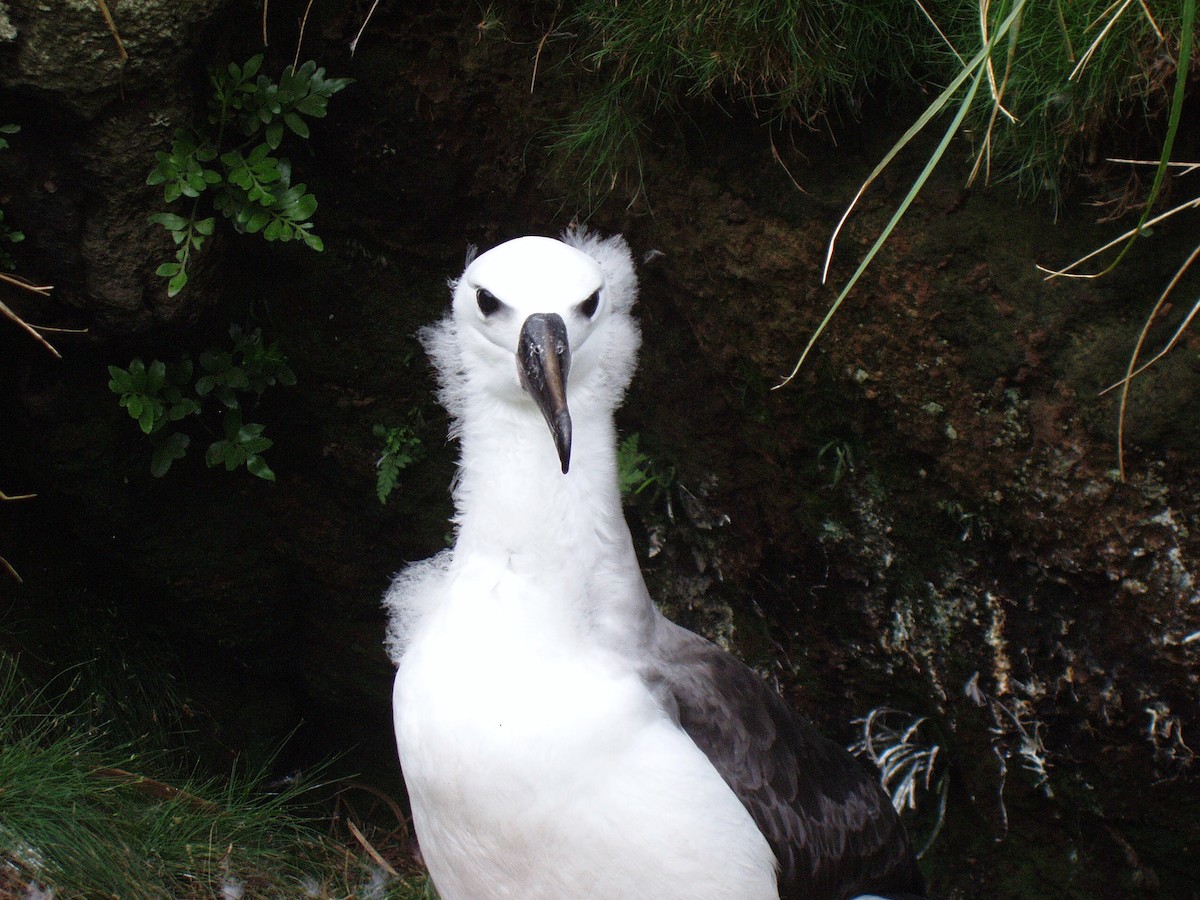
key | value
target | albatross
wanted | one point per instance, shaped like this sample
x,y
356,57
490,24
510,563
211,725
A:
x,y
558,736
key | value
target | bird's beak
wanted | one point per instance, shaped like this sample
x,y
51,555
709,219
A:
x,y
543,362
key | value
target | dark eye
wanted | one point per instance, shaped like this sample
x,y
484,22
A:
x,y
588,307
487,301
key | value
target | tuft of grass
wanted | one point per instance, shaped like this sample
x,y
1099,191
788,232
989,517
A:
x,y
81,816
1071,72
1037,88
785,60
1125,241
1059,76
602,141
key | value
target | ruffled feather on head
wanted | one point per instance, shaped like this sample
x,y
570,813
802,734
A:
x,y
442,343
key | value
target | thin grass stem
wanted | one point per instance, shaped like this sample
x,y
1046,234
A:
x,y
1086,58
1131,373
972,73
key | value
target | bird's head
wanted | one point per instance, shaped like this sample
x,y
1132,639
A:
x,y
538,321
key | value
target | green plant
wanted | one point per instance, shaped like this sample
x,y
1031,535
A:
x,y
401,448
82,815
842,456
160,394
232,161
794,60
636,471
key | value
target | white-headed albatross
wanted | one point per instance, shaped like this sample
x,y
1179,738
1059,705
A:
x,y
559,737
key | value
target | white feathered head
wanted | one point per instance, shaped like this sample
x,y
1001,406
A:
x,y
543,321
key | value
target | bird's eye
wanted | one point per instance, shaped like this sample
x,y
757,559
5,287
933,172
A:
x,y
487,301
588,307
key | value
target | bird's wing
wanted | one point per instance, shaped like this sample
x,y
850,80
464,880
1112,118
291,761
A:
x,y
832,827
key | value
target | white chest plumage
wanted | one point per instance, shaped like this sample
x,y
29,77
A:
x,y
540,766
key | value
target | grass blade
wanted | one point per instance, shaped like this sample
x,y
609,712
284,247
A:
x,y
973,73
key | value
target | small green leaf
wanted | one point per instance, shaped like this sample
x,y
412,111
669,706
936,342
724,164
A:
x,y
176,284
120,382
252,66
256,445
302,208
257,221
313,105
257,467
156,376
296,124
173,447
148,418
215,453
169,221
166,270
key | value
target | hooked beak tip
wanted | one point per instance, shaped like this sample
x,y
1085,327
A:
x,y
561,431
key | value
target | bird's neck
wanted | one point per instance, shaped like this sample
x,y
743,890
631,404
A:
x,y
516,506
512,494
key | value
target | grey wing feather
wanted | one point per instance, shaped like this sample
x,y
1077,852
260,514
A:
x,y
835,834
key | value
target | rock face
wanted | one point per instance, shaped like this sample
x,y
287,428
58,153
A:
x,y
927,518
81,54
95,103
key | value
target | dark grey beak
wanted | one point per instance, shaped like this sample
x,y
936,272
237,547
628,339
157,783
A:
x,y
543,362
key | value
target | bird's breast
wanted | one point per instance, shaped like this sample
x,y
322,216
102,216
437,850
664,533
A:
x,y
498,670
527,750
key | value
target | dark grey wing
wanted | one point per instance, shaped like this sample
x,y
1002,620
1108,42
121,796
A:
x,y
832,827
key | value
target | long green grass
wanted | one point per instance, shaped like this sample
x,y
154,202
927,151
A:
x,y
1069,78
794,60
1063,80
83,816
